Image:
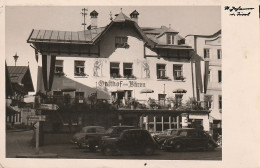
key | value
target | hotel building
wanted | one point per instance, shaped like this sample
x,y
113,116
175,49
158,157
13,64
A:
x,y
150,70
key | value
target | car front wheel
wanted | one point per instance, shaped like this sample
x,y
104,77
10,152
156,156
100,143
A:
x,y
210,146
178,147
148,150
108,151
79,145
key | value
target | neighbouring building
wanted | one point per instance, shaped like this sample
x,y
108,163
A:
x,y
209,48
146,72
18,84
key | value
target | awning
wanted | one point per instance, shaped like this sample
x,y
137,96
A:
x,y
117,91
147,91
179,91
68,90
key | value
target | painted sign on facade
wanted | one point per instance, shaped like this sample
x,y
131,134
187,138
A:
x,y
129,84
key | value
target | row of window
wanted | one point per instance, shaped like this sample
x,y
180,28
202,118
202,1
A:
x,y
207,53
209,101
79,70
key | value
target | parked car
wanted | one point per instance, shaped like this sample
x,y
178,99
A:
x,y
89,137
160,138
189,138
130,141
115,131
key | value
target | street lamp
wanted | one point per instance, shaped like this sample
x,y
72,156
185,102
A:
x,y
15,58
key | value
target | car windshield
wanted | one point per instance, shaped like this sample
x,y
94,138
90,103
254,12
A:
x,y
109,131
172,132
182,133
84,130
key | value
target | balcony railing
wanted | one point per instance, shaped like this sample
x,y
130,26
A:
x,y
63,100
151,104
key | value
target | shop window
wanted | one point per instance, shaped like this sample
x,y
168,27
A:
x,y
220,102
170,38
59,66
121,42
206,53
208,99
57,93
114,70
128,94
177,72
219,54
79,94
79,68
161,71
161,96
219,76
128,70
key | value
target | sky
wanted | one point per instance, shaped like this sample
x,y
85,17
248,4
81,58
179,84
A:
x,y
19,22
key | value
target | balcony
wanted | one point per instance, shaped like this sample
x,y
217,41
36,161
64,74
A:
x,y
131,104
65,100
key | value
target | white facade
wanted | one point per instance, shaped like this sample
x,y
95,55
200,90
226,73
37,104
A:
x,y
212,44
123,71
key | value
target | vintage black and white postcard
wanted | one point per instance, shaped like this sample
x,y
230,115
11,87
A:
x,y
135,84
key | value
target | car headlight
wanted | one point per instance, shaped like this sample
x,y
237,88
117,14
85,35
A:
x,y
171,142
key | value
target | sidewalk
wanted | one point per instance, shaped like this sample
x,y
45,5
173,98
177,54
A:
x,y
18,145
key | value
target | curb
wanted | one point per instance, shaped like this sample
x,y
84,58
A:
x,y
22,130
40,155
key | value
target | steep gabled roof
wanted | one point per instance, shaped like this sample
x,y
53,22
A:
x,y
17,73
21,75
55,36
150,35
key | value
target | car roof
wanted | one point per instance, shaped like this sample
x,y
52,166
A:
x,y
124,126
93,127
135,130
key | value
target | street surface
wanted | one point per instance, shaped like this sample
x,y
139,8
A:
x,y
19,142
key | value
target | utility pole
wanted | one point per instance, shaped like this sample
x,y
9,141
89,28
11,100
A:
x,y
84,14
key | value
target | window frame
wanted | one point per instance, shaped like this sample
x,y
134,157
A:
x,y
59,66
206,53
209,104
124,68
169,38
158,71
219,53
121,42
176,76
110,68
220,102
80,73
219,76
209,75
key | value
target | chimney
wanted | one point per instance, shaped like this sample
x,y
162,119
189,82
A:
x,y
93,16
134,16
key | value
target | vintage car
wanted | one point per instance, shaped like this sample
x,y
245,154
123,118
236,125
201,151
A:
x,y
189,139
130,141
160,138
115,131
88,137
